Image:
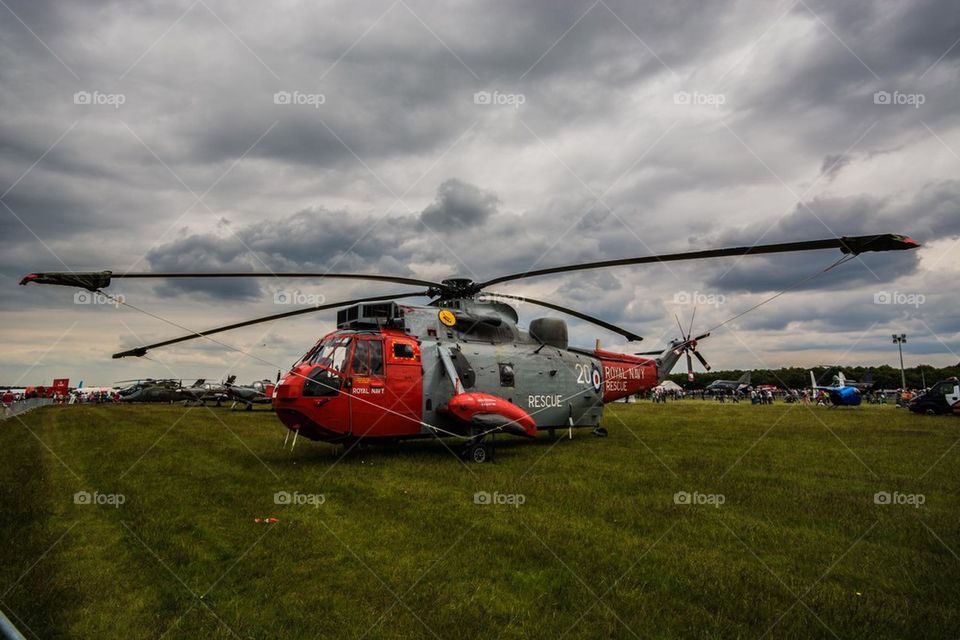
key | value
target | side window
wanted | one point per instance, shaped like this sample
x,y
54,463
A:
x,y
376,357
402,350
361,358
368,357
506,374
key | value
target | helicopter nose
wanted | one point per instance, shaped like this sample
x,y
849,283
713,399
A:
x,y
288,392
290,386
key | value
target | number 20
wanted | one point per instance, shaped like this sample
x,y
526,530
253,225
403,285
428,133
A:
x,y
583,374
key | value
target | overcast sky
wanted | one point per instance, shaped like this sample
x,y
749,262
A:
x,y
477,139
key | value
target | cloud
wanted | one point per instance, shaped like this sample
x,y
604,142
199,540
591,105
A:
x,y
833,164
321,240
932,213
398,169
459,206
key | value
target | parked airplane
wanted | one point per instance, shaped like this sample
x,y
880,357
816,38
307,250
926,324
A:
x,y
201,392
731,386
259,392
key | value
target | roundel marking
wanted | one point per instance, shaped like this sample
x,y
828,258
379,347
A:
x,y
447,318
596,378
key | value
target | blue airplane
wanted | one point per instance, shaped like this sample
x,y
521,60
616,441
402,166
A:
x,y
841,394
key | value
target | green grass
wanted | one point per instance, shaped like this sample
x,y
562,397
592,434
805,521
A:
x,y
400,550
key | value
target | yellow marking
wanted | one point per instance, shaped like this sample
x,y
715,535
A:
x,y
446,317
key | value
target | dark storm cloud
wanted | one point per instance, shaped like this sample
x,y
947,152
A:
x,y
911,36
378,100
48,215
459,206
932,214
320,240
826,84
205,253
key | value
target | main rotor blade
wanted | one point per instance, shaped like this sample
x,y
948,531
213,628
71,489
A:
x,y
94,280
847,244
629,335
140,351
701,359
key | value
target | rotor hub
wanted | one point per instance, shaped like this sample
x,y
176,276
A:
x,y
455,288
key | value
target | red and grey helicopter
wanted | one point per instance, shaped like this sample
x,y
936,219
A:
x,y
460,366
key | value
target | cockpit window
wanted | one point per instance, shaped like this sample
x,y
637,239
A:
x,y
338,356
321,382
332,354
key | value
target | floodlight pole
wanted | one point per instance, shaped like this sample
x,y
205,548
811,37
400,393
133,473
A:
x,y
900,339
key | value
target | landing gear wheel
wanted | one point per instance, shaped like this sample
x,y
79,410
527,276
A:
x,y
600,432
477,453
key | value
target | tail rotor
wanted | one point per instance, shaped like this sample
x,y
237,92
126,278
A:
x,y
688,345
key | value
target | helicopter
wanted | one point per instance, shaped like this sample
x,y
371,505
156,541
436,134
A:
x,y
461,367
841,394
149,390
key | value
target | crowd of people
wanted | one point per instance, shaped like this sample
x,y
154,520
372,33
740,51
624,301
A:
x,y
767,396
11,398
14,402
78,396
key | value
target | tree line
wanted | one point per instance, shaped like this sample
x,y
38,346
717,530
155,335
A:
x,y
884,376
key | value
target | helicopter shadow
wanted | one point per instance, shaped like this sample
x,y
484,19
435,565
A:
x,y
425,449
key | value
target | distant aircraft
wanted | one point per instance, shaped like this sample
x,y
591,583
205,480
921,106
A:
x,y
150,390
736,386
866,385
201,392
259,392
841,395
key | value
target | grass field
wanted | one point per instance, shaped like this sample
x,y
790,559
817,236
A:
x,y
398,548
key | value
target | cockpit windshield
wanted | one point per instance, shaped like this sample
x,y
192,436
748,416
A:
x,y
329,353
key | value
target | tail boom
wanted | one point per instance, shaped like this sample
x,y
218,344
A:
x,y
625,375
